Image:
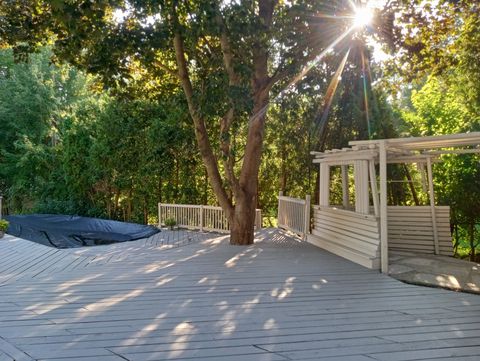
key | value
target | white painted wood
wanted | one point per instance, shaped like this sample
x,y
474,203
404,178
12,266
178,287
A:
x,y
348,234
411,228
349,156
294,214
208,218
360,170
258,219
383,207
350,254
455,151
324,191
431,196
374,188
307,216
427,142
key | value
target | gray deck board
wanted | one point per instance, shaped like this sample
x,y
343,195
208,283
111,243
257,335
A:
x,y
190,296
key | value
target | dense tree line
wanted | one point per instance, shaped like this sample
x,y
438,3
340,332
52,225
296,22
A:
x,y
68,146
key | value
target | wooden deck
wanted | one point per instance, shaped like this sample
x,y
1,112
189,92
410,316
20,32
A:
x,y
187,295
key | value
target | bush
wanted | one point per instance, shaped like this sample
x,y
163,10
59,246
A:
x,y
3,225
170,222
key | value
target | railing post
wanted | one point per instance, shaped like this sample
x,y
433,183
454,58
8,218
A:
x,y
1,206
159,215
258,219
201,218
306,228
280,194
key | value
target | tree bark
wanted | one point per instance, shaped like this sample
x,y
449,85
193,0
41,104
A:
x,y
201,134
411,185
243,221
471,238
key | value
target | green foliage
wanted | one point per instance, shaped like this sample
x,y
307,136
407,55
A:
x,y
170,222
67,149
3,225
442,106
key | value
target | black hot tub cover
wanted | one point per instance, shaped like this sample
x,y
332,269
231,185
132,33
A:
x,y
63,231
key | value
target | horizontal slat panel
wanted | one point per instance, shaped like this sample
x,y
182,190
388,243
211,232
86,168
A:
x,y
418,208
419,228
349,234
349,216
411,229
368,227
348,242
345,252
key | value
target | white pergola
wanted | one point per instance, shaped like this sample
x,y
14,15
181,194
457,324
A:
x,y
364,155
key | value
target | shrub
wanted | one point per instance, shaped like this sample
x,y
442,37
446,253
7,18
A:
x,y
170,222
3,225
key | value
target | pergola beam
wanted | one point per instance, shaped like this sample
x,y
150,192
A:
x,y
428,142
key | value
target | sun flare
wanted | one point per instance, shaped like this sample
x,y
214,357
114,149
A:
x,y
363,17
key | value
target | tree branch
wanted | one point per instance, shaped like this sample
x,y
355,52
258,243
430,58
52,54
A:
x,y
166,69
256,127
225,146
200,129
227,120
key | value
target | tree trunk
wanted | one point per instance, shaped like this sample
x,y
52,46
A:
x,y
471,237
283,169
243,221
411,185
457,240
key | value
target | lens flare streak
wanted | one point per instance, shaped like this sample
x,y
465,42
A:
x,y
332,88
304,72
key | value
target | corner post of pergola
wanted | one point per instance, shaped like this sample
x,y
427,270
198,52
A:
x,y
431,196
382,159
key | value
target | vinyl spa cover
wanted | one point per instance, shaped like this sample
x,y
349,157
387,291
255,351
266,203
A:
x,y
62,231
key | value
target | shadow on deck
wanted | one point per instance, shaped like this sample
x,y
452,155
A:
x,y
280,299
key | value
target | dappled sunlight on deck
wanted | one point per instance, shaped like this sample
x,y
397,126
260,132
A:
x,y
205,300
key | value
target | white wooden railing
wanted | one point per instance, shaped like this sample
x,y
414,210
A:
x,y
204,218
294,214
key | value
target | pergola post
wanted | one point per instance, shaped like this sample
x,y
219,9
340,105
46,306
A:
x,y
324,190
345,195
431,196
362,201
383,206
